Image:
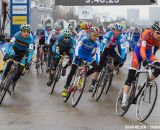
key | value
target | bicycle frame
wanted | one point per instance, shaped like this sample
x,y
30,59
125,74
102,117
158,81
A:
x,y
135,97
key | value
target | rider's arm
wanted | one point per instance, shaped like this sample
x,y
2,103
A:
x,y
97,54
34,35
123,52
30,50
9,45
46,36
106,38
143,44
77,47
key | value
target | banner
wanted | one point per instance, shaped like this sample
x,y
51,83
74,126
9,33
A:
x,y
19,14
103,2
85,13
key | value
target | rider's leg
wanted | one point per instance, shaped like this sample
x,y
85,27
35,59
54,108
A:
x,y
53,69
70,54
99,68
69,79
131,75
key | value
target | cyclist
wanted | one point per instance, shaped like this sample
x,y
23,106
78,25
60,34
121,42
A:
x,y
20,45
101,32
74,33
84,50
41,34
65,43
110,40
142,53
85,27
135,38
51,41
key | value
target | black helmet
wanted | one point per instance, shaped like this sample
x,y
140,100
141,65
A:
x,y
156,26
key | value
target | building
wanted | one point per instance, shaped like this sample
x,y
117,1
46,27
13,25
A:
x,y
154,14
133,15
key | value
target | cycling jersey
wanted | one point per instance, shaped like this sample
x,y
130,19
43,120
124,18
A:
x,y
21,44
143,49
81,34
52,37
62,44
109,41
85,49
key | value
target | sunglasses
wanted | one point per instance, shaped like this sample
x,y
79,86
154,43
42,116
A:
x,y
95,35
25,31
158,32
66,37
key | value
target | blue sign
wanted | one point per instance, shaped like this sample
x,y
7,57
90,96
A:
x,y
19,14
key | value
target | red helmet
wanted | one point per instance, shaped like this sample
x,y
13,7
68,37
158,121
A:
x,y
88,25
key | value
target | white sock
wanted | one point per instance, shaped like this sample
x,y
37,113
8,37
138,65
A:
x,y
125,97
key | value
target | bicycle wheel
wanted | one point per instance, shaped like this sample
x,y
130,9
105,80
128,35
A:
x,y
56,77
78,89
100,86
4,87
65,99
109,80
119,110
146,101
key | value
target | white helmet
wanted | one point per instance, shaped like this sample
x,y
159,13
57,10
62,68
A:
x,y
39,27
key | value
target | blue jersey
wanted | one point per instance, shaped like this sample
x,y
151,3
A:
x,y
111,42
85,49
136,37
61,43
22,44
81,34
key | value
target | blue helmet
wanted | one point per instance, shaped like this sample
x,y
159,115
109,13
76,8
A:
x,y
118,27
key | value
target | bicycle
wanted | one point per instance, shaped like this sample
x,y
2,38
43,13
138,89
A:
x,y
5,83
104,79
78,84
138,95
58,71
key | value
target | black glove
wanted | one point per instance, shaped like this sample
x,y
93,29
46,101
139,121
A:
x,y
145,62
6,57
27,66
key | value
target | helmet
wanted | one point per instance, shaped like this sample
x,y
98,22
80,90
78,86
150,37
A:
x,y
48,25
118,26
156,26
57,26
25,27
100,25
70,27
88,25
66,32
39,27
83,25
94,30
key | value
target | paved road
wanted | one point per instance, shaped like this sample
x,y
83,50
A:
x,y
31,107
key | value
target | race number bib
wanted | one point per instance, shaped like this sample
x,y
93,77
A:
x,y
31,46
143,43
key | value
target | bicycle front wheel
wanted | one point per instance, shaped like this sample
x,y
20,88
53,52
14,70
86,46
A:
x,y
146,101
56,77
78,89
100,86
109,80
4,87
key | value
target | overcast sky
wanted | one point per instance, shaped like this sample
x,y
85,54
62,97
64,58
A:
x,y
122,10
